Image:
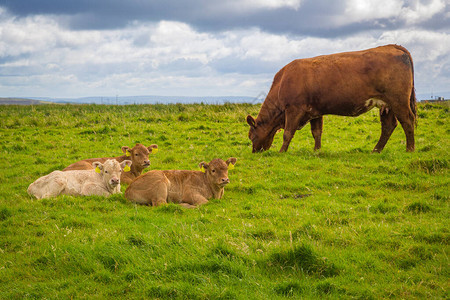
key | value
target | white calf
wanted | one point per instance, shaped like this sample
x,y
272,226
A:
x,y
104,180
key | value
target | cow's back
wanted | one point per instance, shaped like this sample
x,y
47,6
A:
x,y
50,185
85,164
158,186
342,83
78,179
64,183
182,182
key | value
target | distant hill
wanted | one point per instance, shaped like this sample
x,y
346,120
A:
x,y
151,99
21,101
124,100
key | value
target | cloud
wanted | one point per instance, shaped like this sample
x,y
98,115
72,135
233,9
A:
x,y
224,48
418,12
299,17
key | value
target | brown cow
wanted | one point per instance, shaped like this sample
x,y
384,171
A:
x,y
138,155
346,84
188,188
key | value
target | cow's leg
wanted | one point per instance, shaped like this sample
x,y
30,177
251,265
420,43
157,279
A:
x,y
154,197
388,124
158,193
194,199
294,120
186,205
89,189
145,193
316,130
406,119
49,186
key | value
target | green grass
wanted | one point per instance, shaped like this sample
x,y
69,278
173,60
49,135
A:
x,y
338,223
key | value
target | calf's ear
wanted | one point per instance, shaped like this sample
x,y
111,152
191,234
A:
x,y
251,121
125,165
126,150
231,160
98,166
153,148
203,166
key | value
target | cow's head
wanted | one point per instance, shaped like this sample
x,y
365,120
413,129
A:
x,y
139,155
260,135
217,171
110,171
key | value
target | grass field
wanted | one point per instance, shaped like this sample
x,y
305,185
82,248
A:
x,y
339,223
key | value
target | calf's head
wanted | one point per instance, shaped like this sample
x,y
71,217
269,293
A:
x,y
261,136
217,171
110,171
139,155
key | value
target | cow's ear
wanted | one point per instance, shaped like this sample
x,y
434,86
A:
x,y
203,166
126,150
98,166
251,121
125,165
153,148
231,160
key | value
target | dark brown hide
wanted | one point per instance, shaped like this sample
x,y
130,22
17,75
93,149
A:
x,y
345,84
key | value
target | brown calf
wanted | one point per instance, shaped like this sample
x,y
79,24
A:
x,y
188,188
138,155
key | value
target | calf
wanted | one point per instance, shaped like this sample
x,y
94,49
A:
x,y
103,181
138,155
189,188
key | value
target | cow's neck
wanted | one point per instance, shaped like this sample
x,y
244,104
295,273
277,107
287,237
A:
x,y
270,116
216,191
113,190
134,169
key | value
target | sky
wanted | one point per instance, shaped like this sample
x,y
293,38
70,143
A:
x,y
80,48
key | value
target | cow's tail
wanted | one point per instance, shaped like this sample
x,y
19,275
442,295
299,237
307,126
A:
x,y
412,98
413,103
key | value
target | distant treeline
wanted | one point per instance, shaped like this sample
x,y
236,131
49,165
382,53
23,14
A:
x,y
21,101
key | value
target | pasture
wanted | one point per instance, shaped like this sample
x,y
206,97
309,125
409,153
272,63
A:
x,y
338,223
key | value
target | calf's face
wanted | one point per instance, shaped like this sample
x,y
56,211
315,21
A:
x,y
217,171
111,170
139,154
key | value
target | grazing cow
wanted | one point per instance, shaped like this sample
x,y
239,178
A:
x,y
346,84
189,188
103,181
138,155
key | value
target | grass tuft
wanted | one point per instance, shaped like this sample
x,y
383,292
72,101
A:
x,y
289,289
419,207
304,259
135,240
5,213
429,165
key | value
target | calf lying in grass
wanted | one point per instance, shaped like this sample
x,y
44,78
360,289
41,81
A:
x,y
104,180
188,188
138,155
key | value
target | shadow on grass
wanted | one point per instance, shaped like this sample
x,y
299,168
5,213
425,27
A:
x,y
302,258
